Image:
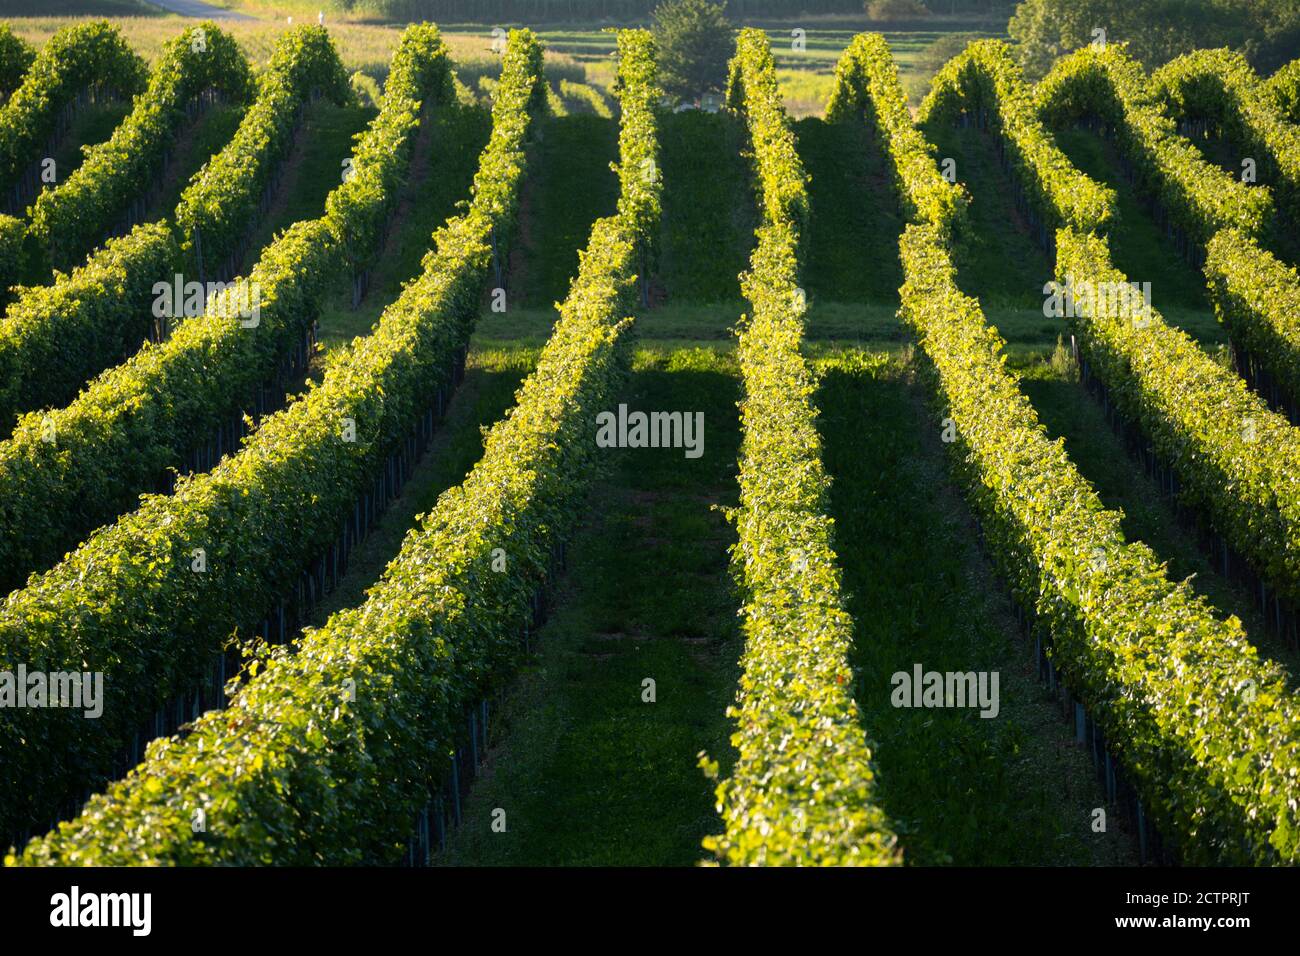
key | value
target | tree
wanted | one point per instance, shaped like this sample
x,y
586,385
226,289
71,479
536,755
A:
x,y
933,59
895,10
1156,30
694,42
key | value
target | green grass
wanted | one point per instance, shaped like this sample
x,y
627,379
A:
x,y
852,246
312,169
491,377
1001,263
829,326
204,138
689,325
1122,483
1142,250
569,186
1281,239
1009,790
999,258
708,208
93,124
584,98
442,170
588,773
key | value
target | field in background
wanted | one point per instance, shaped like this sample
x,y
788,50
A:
x,y
577,52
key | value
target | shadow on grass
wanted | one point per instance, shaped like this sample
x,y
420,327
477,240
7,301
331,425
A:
x,y
588,771
1149,516
963,789
482,398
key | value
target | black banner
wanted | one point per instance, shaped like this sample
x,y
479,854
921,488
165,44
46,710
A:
x,y
335,906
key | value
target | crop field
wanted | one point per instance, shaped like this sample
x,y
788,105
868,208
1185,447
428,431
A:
x,y
580,53
426,449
